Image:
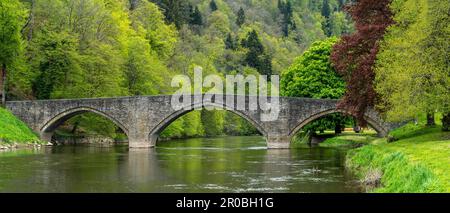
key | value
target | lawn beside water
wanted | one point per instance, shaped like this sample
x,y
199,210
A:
x,y
418,161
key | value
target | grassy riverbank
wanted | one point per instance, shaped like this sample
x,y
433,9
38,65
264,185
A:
x,y
14,131
419,161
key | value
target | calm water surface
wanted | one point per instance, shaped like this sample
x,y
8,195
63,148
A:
x,y
229,164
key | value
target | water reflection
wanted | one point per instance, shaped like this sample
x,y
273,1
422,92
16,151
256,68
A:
x,y
229,164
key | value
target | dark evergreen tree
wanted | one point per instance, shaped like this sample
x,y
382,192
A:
x,y
255,48
230,42
340,4
213,5
256,56
196,17
240,17
286,12
264,65
177,12
326,12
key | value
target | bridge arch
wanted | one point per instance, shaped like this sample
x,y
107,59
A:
x,y
54,122
154,133
374,124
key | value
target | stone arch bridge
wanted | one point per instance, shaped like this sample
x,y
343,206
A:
x,y
142,118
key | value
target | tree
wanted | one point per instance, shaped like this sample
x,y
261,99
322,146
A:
x,y
256,56
412,69
230,42
240,20
326,13
161,36
341,3
213,5
312,76
176,11
12,16
264,65
326,10
57,65
196,17
354,56
255,48
212,122
287,13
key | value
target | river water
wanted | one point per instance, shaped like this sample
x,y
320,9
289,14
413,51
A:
x,y
228,164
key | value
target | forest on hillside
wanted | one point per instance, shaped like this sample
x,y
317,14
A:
x,y
105,48
392,54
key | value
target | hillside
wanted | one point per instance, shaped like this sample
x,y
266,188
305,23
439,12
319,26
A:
x,y
12,130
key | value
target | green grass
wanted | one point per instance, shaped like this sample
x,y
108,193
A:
x,y
12,130
418,162
348,140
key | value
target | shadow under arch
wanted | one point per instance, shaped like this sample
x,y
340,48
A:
x,y
378,128
154,133
50,126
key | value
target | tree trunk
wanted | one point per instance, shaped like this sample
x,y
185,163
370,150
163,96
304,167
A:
x,y
430,119
446,122
75,127
3,84
337,129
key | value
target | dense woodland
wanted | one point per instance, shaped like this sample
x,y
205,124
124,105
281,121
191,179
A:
x,y
103,48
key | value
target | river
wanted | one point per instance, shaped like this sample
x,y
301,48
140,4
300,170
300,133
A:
x,y
226,164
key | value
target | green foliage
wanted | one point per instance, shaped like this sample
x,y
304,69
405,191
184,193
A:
x,y
412,70
236,125
100,48
175,11
301,140
213,5
286,11
240,20
12,130
148,19
57,65
174,130
312,76
213,122
89,124
12,14
256,56
196,17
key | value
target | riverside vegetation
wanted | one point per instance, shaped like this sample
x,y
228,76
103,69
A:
x,y
417,161
14,133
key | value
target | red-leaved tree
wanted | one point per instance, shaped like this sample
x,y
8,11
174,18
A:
x,y
354,56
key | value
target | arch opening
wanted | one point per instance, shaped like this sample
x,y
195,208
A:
x,y
333,122
83,125
199,122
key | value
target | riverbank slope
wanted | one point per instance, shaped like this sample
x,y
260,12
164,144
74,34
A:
x,y
418,161
15,133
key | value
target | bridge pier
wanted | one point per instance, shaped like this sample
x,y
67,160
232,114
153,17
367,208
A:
x,y
46,136
278,142
142,142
